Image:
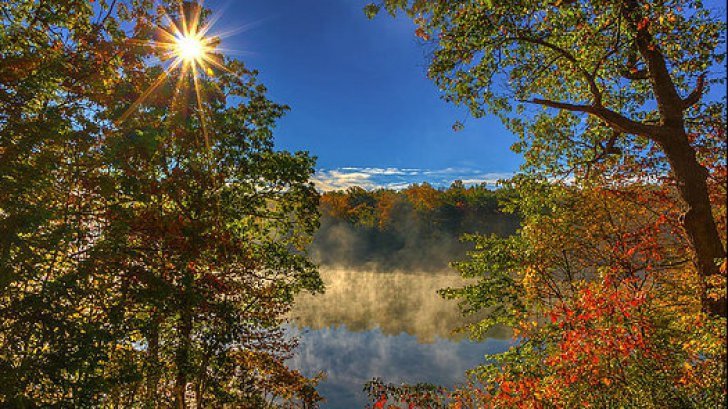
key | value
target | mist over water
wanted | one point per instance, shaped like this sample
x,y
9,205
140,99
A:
x,y
409,244
384,324
394,303
381,315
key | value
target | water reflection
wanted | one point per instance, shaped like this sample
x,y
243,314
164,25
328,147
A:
x,y
350,359
391,325
395,303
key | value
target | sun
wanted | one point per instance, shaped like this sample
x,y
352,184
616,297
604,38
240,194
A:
x,y
189,52
190,48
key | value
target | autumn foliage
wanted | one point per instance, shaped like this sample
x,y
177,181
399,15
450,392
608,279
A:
x,y
601,291
604,301
616,283
417,228
450,207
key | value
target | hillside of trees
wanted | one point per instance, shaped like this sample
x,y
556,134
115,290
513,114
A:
x,y
417,229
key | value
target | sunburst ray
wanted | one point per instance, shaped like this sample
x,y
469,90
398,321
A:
x,y
184,42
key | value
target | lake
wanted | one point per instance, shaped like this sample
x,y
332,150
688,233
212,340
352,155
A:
x,y
389,325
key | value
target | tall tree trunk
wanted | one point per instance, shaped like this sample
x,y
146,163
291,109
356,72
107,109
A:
x,y
202,382
184,331
153,369
691,178
671,135
690,175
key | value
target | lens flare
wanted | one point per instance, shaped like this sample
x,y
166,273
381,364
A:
x,y
190,48
183,42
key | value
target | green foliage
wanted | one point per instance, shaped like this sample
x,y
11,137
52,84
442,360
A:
x,y
54,68
496,291
621,197
502,57
592,85
147,257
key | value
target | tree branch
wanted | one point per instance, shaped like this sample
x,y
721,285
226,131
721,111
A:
x,y
635,75
561,105
614,120
613,51
669,102
697,93
101,22
590,79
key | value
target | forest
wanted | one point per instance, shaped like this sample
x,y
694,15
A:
x,y
418,228
154,237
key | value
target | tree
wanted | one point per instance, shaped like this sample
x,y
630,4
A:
x,y
608,74
393,229
216,227
423,197
148,253
57,62
599,290
614,289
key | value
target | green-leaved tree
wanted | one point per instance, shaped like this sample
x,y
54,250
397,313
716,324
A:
x,y
151,237
608,75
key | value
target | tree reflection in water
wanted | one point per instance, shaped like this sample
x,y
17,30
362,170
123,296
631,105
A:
x,y
390,325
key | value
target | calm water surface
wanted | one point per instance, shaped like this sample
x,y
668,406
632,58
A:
x,y
388,325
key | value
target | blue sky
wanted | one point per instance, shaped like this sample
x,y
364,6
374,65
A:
x,y
360,99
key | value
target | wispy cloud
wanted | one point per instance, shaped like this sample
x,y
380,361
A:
x,y
399,178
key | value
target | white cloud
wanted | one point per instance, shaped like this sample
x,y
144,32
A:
x,y
399,178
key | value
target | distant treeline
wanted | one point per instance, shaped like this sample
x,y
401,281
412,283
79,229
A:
x,y
414,229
